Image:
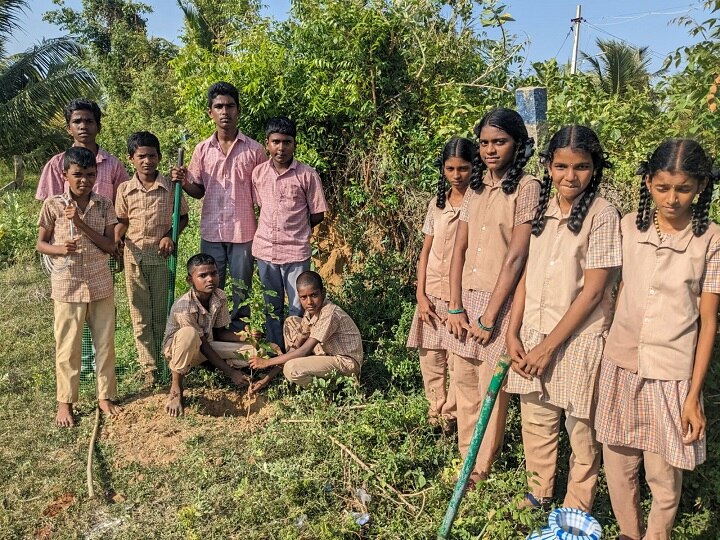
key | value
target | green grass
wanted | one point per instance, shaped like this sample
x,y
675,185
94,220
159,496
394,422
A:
x,y
282,476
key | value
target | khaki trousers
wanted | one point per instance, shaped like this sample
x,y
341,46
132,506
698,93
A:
x,y
472,378
147,290
69,320
540,434
437,367
622,468
185,351
302,371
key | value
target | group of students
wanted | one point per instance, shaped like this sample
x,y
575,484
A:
x,y
529,267
95,216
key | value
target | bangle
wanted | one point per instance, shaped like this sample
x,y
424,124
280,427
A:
x,y
483,327
456,311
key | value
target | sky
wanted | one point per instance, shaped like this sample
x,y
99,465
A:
x,y
544,24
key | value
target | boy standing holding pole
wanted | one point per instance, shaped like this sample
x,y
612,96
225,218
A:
x,y
144,207
220,173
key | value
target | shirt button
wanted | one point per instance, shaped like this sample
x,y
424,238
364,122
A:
x,y
474,269
444,260
479,249
647,319
552,263
652,291
483,227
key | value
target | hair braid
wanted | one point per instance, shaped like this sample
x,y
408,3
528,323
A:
x,y
579,212
478,171
441,185
515,173
538,223
701,210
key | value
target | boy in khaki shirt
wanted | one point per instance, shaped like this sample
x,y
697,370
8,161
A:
x,y
76,233
324,340
144,207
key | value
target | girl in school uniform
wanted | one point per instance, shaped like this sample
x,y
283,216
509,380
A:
x,y
428,332
561,314
660,343
491,246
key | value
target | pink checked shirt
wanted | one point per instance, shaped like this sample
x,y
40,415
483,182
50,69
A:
x,y
286,201
110,174
227,208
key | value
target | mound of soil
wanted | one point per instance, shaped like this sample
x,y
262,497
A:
x,y
145,434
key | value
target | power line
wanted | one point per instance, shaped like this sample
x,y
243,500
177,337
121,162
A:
x,y
564,41
687,7
626,42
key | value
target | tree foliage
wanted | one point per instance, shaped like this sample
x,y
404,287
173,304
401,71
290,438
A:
x,y
619,67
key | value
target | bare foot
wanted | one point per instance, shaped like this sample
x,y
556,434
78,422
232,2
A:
x,y
258,385
174,405
239,378
64,417
108,407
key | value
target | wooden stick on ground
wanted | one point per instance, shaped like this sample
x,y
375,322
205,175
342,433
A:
x,y
91,447
367,468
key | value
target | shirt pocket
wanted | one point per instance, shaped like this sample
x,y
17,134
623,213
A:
x,y
292,195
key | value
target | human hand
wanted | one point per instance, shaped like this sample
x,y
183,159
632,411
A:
x,y
457,324
178,174
258,363
166,247
426,311
479,334
69,246
692,420
516,352
239,378
71,212
538,359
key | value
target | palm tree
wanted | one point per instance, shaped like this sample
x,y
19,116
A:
x,y
619,67
35,85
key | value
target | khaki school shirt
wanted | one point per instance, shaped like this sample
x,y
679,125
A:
x,y
336,332
188,311
557,262
654,332
441,224
491,216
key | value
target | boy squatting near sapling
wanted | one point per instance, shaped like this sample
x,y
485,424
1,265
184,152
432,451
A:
x,y
324,340
144,207
197,331
82,287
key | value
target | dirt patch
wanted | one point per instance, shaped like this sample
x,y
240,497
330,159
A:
x,y
145,434
59,504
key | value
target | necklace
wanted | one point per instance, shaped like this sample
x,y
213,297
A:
x,y
657,226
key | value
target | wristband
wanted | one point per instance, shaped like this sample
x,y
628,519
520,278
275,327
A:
x,y
483,327
456,311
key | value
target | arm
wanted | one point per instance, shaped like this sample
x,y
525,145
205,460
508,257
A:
x,y
44,246
458,324
180,174
510,272
120,229
105,241
303,350
426,311
233,374
515,347
316,219
595,281
166,244
693,419
225,334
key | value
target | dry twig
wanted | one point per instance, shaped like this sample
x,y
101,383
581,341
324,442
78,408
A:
x,y
91,447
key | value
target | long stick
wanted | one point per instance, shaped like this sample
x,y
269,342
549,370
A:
x,y
175,234
91,447
500,371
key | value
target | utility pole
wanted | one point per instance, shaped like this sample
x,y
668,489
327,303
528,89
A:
x,y
577,20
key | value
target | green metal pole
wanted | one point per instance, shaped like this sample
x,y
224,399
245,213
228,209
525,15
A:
x,y
175,235
500,371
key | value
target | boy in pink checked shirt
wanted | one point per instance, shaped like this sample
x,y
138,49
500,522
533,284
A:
x,y
291,201
82,120
220,174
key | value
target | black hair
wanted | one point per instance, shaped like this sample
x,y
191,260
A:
x,y
310,278
282,125
687,157
77,155
222,89
199,260
456,147
511,123
82,104
574,137
142,138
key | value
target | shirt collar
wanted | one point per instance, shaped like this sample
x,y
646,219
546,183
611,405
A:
x,y
239,137
677,242
160,182
314,318
291,167
197,307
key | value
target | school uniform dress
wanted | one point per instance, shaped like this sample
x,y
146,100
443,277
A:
x,y
431,340
150,214
227,219
339,345
554,277
647,370
82,291
491,216
188,322
111,174
282,240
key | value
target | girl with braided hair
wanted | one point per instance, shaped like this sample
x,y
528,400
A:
x,y
428,333
491,246
661,340
560,315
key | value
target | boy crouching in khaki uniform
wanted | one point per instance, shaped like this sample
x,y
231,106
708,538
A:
x,y
197,331
76,232
324,340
